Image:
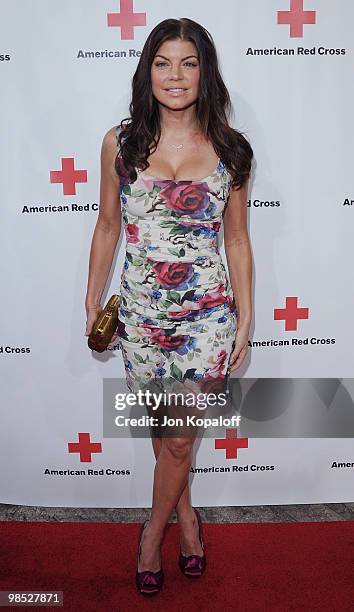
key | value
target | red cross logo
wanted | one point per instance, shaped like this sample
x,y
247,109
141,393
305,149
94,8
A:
x,y
296,18
231,443
126,20
290,314
68,176
85,447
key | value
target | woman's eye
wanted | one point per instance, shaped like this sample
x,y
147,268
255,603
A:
x,y
158,64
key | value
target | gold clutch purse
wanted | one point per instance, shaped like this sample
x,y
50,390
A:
x,y
104,326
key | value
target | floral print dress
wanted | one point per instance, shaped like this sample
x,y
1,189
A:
x,y
177,313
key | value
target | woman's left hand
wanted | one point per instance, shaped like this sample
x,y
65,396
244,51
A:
x,y
241,346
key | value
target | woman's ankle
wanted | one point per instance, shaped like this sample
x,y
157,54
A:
x,y
186,514
150,557
154,534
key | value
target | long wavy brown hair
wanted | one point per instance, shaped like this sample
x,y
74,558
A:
x,y
213,106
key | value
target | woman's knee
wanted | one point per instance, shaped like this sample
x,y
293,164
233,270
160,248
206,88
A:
x,y
179,448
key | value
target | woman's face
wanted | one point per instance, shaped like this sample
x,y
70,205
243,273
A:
x,y
175,74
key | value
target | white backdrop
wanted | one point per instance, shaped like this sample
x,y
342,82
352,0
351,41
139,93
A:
x,y
65,76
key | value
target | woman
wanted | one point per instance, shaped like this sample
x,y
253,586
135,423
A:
x,y
178,305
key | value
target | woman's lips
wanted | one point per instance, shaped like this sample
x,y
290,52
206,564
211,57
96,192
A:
x,y
176,91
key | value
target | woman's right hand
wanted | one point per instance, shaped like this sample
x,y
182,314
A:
x,y
92,313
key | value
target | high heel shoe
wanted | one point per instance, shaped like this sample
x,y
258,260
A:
x,y
147,582
194,566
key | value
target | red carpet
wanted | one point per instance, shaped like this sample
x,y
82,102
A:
x,y
251,567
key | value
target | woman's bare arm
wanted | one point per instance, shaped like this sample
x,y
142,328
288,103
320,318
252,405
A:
x,y
239,260
107,230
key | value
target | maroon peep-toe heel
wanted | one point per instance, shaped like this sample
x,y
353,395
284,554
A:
x,y
147,582
194,566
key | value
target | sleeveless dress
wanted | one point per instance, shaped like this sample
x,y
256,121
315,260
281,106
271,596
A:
x,y
177,312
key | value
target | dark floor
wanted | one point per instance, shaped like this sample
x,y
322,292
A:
x,y
225,514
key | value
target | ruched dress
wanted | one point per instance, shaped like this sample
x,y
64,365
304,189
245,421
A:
x,y
177,312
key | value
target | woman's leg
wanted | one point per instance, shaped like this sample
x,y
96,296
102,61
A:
x,y
183,507
171,490
189,531
187,521
170,478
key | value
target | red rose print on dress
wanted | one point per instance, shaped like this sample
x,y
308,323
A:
x,y
132,233
185,198
211,300
183,313
181,344
174,275
171,343
214,298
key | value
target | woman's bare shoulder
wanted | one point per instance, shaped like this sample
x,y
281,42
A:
x,y
110,138
109,150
